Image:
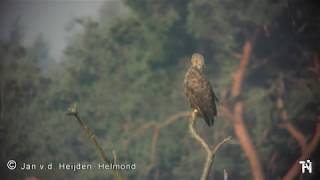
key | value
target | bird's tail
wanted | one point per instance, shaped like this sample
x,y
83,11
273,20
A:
x,y
209,119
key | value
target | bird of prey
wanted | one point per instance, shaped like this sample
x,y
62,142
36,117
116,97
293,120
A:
x,y
198,90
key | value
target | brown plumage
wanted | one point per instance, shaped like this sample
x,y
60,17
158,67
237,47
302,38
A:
x,y
199,91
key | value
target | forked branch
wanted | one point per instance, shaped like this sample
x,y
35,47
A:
x,y
306,153
210,153
235,113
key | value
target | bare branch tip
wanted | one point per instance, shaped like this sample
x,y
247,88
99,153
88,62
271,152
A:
x,y
72,110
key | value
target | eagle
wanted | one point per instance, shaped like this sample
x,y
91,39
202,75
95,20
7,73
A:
x,y
198,90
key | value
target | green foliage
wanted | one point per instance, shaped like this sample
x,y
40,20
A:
x,y
128,72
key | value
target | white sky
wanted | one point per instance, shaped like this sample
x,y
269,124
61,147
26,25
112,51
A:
x,y
49,17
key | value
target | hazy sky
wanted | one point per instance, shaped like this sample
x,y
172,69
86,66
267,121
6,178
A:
x,y
49,17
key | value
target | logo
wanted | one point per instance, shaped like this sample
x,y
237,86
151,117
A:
x,y
11,164
306,165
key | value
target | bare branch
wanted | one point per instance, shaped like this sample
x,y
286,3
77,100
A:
x,y
152,162
195,135
210,153
73,111
237,114
157,127
114,154
138,133
294,132
225,174
246,143
226,112
309,149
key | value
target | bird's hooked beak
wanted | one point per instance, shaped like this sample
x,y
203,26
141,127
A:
x,y
200,66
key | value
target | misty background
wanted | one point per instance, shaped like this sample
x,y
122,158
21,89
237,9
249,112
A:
x,y
123,64
51,18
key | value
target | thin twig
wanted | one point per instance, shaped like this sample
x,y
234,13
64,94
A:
x,y
156,132
114,154
225,174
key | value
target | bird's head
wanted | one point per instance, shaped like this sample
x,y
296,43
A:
x,y
197,61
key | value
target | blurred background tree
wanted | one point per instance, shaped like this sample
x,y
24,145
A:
x,y
129,73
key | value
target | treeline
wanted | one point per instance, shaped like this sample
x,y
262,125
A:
x,y
128,73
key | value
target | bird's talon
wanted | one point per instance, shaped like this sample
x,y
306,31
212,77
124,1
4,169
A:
x,y
194,113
